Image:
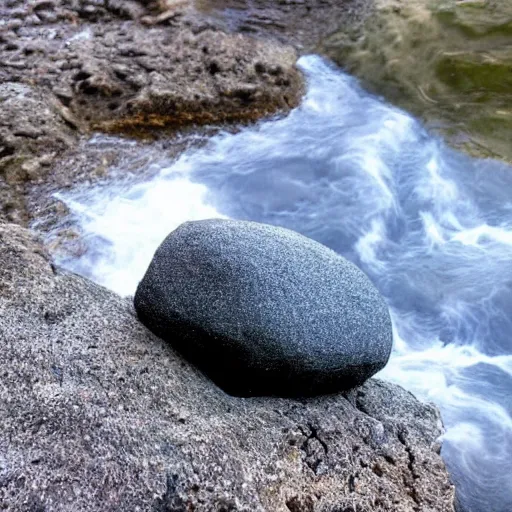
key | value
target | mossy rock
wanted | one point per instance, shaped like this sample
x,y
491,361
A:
x,y
448,62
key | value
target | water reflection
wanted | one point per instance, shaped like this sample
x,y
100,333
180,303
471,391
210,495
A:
x,y
448,61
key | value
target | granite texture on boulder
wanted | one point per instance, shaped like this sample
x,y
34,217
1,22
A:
x,y
99,415
263,310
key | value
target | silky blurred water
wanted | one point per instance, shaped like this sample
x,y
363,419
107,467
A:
x,y
431,227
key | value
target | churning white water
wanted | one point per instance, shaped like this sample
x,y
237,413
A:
x,y
430,226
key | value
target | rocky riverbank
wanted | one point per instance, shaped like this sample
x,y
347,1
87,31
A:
x,y
70,68
98,414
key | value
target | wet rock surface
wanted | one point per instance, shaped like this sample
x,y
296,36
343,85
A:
x,y
146,69
264,310
302,23
98,414
32,134
123,67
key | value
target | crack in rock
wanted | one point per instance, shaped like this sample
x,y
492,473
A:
x,y
314,447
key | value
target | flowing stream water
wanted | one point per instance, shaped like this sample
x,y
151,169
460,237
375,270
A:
x,y
432,227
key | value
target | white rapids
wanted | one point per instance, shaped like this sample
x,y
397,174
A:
x,y
430,226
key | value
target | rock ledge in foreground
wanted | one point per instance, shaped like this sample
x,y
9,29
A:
x,y
99,415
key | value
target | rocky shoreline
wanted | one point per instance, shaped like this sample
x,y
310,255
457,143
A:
x,y
122,67
140,68
98,413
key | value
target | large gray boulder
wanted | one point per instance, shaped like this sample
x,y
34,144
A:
x,y
263,310
99,415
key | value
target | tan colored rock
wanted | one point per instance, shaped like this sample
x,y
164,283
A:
x,y
32,133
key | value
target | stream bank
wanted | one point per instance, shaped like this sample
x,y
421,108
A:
x,y
100,415
49,52
141,68
430,226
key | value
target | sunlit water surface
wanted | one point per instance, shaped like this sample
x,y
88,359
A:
x,y
430,226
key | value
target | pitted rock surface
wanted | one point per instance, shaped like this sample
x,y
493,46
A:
x,y
142,68
99,415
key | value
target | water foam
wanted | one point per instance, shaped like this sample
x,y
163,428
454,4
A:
x,y
118,253
431,227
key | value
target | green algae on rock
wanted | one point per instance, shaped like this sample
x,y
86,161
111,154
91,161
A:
x,y
449,62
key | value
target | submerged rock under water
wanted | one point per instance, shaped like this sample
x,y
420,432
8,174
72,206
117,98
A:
x,y
448,61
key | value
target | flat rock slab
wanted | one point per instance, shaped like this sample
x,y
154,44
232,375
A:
x,y
99,415
263,310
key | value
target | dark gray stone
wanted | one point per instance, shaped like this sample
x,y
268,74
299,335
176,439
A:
x,y
263,310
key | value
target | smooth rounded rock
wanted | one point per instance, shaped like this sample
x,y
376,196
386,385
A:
x,y
263,310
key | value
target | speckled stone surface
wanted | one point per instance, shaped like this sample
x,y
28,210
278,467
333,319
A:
x,y
263,310
99,415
